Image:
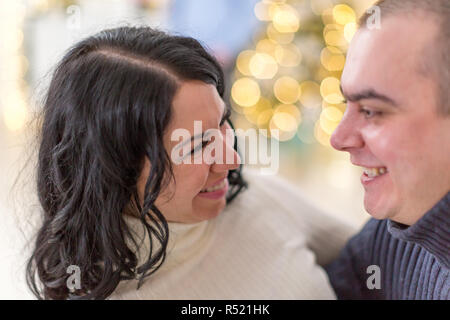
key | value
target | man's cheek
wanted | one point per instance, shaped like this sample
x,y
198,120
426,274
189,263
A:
x,y
380,143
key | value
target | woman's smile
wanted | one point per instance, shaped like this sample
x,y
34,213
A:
x,y
216,191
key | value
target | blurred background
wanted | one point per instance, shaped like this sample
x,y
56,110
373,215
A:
x,y
283,60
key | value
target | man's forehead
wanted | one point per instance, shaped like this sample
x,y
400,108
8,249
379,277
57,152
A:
x,y
387,56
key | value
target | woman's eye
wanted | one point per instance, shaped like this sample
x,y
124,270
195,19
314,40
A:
x,y
226,117
199,147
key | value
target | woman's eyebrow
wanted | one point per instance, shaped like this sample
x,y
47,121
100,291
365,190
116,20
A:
x,y
225,115
182,144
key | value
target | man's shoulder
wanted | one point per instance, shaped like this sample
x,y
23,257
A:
x,y
370,243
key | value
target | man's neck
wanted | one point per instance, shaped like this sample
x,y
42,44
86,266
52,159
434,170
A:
x,y
412,213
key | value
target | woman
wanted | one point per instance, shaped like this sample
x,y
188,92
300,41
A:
x,y
116,206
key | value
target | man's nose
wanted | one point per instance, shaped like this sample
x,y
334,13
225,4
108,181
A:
x,y
347,135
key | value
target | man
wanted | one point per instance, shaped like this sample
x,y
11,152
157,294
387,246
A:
x,y
397,128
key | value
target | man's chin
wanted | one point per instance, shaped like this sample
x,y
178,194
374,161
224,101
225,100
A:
x,y
377,208
376,214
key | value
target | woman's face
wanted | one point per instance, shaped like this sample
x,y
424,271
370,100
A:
x,y
199,190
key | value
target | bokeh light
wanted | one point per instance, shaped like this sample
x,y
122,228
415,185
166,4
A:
x,y
334,35
284,121
263,66
299,95
252,113
245,92
329,119
292,110
286,89
343,14
275,35
332,59
330,90
310,94
262,10
243,62
286,19
266,46
264,118
350,30
14,65
15,112
318,6
327,16
321,136
288,55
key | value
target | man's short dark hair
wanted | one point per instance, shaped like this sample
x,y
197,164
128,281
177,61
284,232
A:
x,y
436,57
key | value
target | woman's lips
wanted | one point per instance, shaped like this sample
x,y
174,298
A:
x,y
216,191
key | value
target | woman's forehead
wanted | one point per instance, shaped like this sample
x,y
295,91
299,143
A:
x,y
196,101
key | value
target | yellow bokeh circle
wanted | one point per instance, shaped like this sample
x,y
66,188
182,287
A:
x,y
343,14
245,92
330,90
310,94
275,35
350,30
263,66
243,62
252,113
286,90
288,55
286,19
332,59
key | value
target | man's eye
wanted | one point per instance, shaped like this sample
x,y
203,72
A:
x,y
369,113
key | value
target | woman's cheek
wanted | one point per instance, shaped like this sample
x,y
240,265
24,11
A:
x,y
191,178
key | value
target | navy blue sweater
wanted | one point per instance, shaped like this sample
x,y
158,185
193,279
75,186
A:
x,y
414,262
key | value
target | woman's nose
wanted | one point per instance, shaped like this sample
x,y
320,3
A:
x,y
229,159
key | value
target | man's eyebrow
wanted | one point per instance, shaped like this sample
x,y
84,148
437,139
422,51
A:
x,y
368,94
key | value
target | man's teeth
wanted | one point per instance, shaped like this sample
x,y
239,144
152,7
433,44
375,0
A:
x,y
215,188
375,172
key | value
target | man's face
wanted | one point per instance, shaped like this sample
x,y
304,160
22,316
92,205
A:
x,y
391,126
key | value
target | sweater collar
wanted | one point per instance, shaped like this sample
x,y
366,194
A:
x,y
185,240
432,231
185,236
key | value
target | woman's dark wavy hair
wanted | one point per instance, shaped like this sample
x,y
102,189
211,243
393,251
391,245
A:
x,y
107,108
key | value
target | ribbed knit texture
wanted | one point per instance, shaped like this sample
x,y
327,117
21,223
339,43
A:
x,y
257,248
414,261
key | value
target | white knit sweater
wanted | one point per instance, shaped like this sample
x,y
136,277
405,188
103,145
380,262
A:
x,y
264,245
